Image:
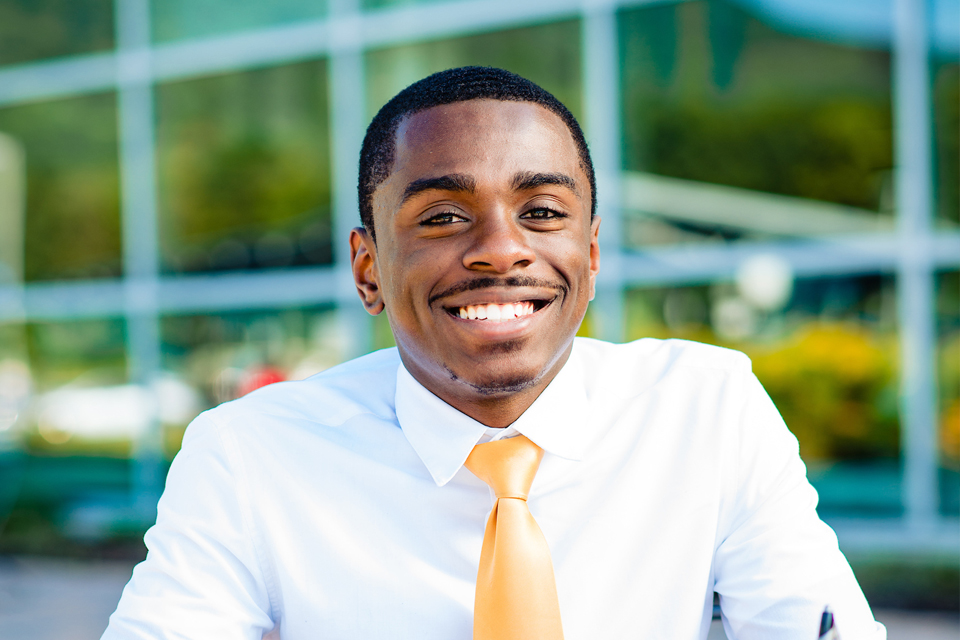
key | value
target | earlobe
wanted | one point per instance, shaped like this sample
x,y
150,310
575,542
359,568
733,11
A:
x,y
363,260
594,255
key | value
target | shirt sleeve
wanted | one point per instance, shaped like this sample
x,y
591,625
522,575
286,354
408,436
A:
x,y
778,564
201,577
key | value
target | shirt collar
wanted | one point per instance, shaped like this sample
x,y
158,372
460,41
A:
x,y
443,436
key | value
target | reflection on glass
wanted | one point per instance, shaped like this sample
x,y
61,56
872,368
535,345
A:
x,y
72,218
16,388
77,373
69,448
225,356
547,54
34,29
180,19
712,96
827,355
946,112
244,170
948,362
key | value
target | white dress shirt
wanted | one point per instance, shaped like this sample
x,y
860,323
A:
x,y
338,507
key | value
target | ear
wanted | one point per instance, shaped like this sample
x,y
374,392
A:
x,y
363,260
594,254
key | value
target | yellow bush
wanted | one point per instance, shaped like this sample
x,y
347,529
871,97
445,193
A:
x,y
835,386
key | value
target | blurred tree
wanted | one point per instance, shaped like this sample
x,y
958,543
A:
x,y
946,98
835,386
948,352
244,169
34,29
87,351
764,111
546,54
72,225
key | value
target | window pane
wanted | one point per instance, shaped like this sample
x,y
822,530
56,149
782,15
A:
x,y
548,54
828,359
180,19
73,442
75,367
224,356
71,226
948,356
713,96
244,170
33,29
946,111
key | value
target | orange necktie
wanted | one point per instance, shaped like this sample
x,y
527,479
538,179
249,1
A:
x,y
516,591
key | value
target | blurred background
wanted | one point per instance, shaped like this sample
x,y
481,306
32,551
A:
x,y
178,177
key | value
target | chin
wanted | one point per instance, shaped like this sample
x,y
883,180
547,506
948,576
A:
x,y
494,384
504,386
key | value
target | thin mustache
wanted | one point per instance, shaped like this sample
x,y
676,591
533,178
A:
x,y
490,283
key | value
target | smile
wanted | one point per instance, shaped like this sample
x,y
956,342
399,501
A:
x,y
493,312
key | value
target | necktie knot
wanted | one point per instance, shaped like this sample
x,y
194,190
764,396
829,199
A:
x,y
508,466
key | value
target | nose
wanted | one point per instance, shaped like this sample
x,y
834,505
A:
x,y
500,245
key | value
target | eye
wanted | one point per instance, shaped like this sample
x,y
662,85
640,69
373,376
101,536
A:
x,y
442,218
543,214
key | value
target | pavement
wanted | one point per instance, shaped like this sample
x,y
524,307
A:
x,y
56,599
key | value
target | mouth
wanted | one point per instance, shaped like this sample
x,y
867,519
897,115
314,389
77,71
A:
x,y
498,312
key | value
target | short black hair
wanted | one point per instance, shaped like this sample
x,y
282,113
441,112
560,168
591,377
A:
x,y
448,87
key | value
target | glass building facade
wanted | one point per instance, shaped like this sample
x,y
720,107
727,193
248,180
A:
x,y
178,179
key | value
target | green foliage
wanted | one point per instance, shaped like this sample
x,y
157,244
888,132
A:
x,y
34,29
546,54
241,156
61,352
838,151
946,112
73,199
784,115
835,386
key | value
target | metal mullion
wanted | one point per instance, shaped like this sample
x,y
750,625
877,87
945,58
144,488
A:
x,y
601,96
347,122
915,295
140,242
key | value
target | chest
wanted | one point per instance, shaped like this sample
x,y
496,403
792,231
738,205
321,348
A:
x,y
367,545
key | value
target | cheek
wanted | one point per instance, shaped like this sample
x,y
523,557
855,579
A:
x,y
407,278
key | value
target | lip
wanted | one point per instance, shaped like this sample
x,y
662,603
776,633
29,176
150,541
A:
x,y
499,295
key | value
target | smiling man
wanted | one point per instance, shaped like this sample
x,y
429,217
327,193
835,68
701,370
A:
x,y
625,483
481,245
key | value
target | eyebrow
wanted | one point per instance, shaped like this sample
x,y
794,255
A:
x,y
530,180
457,182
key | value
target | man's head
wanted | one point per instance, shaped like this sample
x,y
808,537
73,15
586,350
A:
x,y
447,87
486,251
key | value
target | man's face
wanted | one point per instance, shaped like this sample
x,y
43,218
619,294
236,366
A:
x,y
486,255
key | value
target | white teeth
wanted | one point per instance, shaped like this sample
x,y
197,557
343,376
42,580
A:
x,y
496,312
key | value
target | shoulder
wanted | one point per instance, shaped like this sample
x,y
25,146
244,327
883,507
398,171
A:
x,y
365,385
653,356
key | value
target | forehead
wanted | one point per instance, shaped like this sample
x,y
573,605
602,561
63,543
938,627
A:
x,y
484,136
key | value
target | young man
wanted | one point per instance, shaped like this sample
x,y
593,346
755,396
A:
x,y
351,505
